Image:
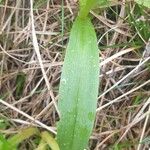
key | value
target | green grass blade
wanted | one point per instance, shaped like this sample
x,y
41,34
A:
x,y
78,87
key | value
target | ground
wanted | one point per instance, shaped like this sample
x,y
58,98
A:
x,y
29,82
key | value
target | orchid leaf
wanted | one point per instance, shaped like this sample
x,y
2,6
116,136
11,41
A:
x,y
87,5
78,87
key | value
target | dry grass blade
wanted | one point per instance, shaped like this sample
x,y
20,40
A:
x,y
27,116
125,77
36,47
143,131
118,98
116,56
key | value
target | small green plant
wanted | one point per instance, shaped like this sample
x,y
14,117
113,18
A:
x,y
79,83
78,88
11,143
124,145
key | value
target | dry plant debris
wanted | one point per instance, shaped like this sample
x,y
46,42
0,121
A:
x,y
29,82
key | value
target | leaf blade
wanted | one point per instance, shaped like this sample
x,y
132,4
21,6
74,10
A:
x,y
87,5
22,135
78,87
48,138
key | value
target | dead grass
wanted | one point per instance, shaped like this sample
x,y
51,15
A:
x,y
123,110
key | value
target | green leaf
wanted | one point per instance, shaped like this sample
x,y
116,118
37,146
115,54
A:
x,y
78,87
20,82
145,3
47,137
4,145
87,5
88,2
22,135
42,145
